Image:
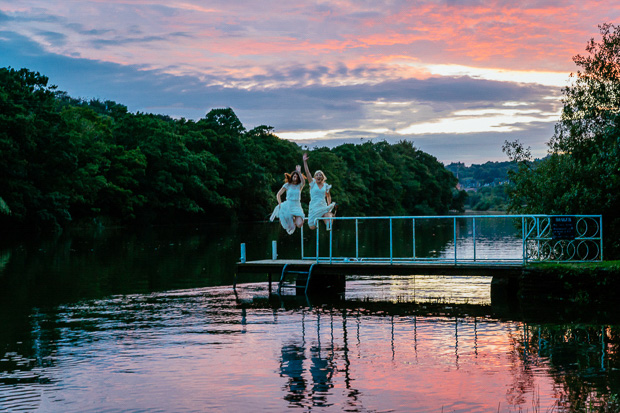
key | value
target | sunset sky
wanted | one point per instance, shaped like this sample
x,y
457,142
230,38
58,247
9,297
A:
x,y
458,77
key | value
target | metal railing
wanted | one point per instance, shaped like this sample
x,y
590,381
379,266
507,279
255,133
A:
x,y
534,238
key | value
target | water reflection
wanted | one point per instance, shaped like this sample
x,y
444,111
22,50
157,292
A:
x,y
159,351
292,366
78,265
320,369
577,359
583,358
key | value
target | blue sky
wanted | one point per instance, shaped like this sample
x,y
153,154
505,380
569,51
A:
x,y
457,77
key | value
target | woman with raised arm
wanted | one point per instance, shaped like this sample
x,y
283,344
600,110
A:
x,y
289,212
321,205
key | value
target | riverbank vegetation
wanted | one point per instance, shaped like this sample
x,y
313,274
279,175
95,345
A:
x,y
69,160
583,286
581,174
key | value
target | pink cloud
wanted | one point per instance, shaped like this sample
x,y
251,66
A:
x,y
163,34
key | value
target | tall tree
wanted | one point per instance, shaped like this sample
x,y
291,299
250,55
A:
x,y
35,159
581,175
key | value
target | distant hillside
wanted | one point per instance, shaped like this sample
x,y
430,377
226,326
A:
x,y
484,184
479,175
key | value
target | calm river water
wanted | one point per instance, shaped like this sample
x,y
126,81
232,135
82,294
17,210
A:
x,y
147,321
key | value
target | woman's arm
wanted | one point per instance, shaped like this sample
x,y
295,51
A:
x,y
310,178
279,194
328,196
303,180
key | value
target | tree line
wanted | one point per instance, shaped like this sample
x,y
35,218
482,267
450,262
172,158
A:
x,y
70,160
477,175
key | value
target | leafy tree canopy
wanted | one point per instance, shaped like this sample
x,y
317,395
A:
x,y
581,175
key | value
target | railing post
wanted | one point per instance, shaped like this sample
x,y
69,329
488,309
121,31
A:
x,y
523,232
357,252
454,230
331,240
274,250
414,239
317,241
537,237
601,232
242,253
391,250
302,242
474,234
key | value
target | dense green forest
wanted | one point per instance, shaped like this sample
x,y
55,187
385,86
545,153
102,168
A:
x,y
581,174
67,160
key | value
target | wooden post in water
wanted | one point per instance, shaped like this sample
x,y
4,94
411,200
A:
x,y
269,279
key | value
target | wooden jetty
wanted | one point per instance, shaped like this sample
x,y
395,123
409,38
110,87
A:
x,y
383,268
312,277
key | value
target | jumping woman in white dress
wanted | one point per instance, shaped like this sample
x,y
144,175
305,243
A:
x,y
289,212
321,205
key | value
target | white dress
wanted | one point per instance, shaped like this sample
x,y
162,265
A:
x,y
318,206
290,208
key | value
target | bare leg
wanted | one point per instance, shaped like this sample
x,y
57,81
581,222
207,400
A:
x,y
328,222
299,222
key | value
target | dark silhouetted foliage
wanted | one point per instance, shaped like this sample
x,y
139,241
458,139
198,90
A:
x,y
581,175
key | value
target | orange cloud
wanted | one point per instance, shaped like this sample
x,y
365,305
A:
x,y
224,35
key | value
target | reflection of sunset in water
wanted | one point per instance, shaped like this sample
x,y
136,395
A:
x,y
421,288
209,350
417,363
